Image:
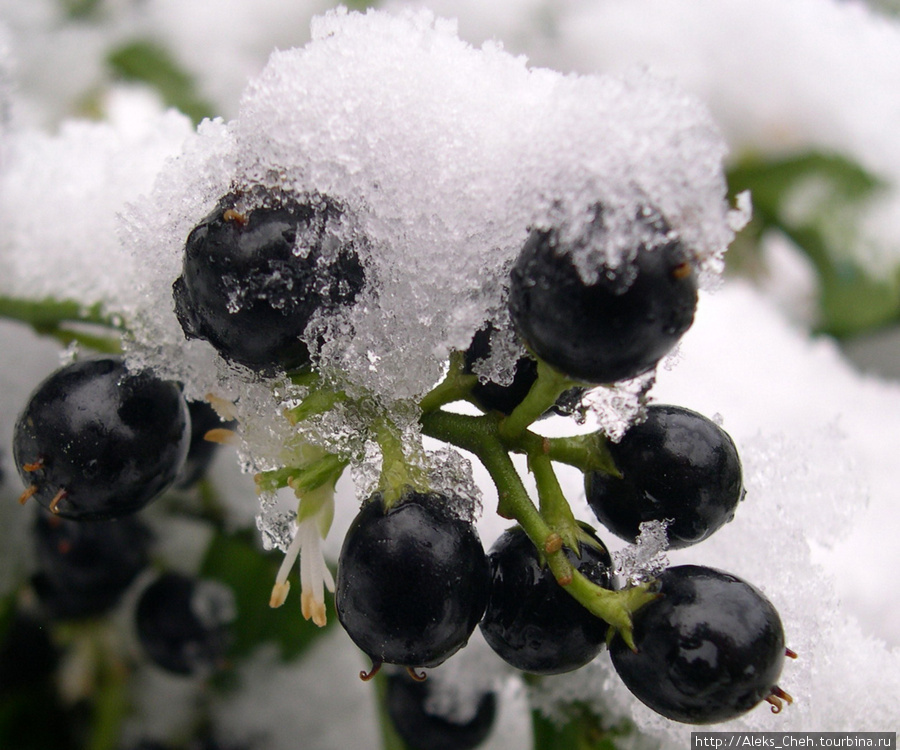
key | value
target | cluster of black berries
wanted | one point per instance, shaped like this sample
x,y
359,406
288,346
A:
x,y
413,580
95,444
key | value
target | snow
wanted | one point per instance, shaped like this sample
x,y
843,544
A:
x,y
443,149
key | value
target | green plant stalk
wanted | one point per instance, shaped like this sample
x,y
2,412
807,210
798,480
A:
x,y
390,740
111,704
456,386
302,478
582,729
397,474
55,318
319,401
481,436
585,452
555,509
548,387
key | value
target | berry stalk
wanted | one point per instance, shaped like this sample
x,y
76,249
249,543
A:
x,y
456,385
548,387
481,436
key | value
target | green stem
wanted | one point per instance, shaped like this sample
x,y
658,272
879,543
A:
x,y
548,387
397,473
481,436
390,740
456,386
319,401
555,509
64,320
579,729
111,703
585,452
302,478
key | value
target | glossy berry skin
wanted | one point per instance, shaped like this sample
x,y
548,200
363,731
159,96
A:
x,y
615,328
85,567
109,440
201,452
422,729
530,621
412,582
490,396
708,650
246,290
182,623
676,465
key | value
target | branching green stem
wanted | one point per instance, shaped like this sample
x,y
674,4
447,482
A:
x,y
456,386
585,452
302,478
482,436
319,401
548,387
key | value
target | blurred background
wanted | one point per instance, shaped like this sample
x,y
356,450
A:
x,y
798,352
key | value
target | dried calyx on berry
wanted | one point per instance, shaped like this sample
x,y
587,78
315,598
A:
x,y
259,267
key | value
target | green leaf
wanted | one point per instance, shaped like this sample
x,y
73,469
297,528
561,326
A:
x,y
250,572
816,201
145,61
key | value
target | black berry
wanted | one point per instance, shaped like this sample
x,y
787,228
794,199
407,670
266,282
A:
x,y
412,582
182,623
708,650
491,396
27,655
530,621
423,728
677,466
85,567
96,441
252,281
622,323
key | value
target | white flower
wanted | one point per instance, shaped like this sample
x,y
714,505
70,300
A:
x,y
314,516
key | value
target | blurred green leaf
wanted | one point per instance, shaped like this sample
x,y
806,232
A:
x,y
815,200
145,61
581,730
236,561
80,9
